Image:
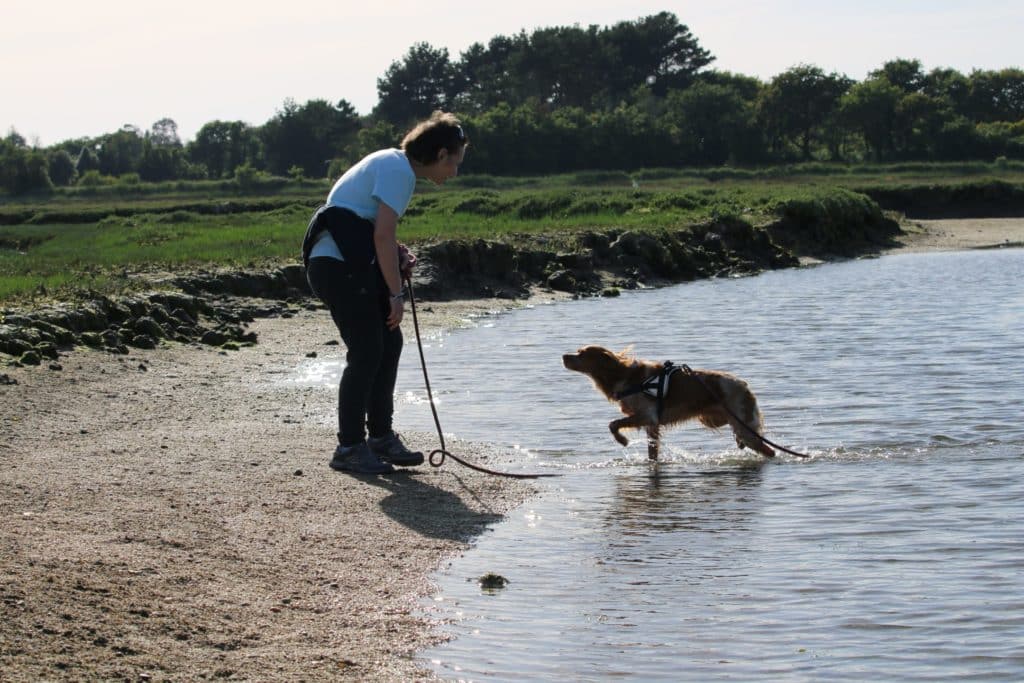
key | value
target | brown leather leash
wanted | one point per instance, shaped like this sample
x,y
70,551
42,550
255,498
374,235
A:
x,y
438,455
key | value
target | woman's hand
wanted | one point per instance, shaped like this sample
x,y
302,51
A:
x,y
397,311
406,261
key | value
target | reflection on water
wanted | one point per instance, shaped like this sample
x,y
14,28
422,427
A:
x,y
664,500
893,554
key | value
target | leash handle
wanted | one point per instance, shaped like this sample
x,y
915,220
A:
x,y
438,455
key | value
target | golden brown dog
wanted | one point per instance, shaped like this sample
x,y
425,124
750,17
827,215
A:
x,y
702,395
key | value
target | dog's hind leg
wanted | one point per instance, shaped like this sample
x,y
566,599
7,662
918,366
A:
x,y
748,431
653,438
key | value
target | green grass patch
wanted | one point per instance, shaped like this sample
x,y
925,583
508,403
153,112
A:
x,y
75,241
66,259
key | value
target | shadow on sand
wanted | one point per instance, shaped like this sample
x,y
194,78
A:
x,y
432,511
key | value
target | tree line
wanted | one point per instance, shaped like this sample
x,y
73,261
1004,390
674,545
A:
x,y
637,94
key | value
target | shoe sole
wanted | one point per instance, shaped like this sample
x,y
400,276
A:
x,y
410,462
344,467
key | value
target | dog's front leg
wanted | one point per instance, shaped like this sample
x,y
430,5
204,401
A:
x,y
653,438
628,422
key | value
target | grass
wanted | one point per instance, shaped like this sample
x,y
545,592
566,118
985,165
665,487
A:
x,y
78,241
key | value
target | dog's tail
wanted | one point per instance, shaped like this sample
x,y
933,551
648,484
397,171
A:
x,y
750,425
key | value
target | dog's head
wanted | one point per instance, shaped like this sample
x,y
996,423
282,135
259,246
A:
x,y
600,364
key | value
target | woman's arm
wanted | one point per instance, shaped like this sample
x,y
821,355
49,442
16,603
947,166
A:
x,y
385,243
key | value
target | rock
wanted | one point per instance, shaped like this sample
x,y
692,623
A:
x,y
183,315
18,332
7,380
91,339
111,338
55,333
158,313
149,327
47,350
143,341
492,581
15,346
562,281
576,261
30,358
213,338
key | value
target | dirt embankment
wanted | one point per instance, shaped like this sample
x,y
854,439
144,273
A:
x,y
213,308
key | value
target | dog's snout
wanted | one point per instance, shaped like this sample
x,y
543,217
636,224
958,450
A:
x,y
570,361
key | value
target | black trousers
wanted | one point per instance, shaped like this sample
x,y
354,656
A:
x,y
358,300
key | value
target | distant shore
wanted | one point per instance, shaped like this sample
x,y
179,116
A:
x,y
170,513
960,233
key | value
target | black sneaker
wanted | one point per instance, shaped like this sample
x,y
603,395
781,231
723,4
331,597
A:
x,y
390,449
358,459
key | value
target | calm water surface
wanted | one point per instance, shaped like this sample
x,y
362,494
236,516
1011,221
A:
x,y
895,553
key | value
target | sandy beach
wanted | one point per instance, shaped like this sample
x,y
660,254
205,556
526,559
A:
x,y
169,514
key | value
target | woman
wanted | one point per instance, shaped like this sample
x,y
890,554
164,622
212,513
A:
x,y
355,264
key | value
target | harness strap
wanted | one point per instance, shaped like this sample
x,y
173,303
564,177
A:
x,y
655,386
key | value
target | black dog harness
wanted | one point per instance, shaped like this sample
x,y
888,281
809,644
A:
x,y
655,386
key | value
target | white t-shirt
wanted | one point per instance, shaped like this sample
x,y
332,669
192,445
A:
x,y
384,176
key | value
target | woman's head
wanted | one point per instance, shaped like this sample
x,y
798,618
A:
x,y
438,145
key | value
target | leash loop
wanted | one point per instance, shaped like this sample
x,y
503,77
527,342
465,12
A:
x,y
438,455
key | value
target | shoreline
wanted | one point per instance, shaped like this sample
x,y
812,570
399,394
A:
x,y
170,513
959,234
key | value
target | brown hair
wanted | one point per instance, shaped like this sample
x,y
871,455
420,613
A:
x,y
441,131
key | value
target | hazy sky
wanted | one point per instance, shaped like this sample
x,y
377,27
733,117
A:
x,y
73,69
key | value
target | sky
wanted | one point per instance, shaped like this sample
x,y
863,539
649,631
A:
x,y
83,69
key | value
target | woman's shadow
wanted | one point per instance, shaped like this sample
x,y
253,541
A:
x,y
432,511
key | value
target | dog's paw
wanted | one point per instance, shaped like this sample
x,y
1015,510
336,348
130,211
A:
x,y
620,438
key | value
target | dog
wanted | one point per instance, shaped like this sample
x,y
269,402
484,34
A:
x,y
714,398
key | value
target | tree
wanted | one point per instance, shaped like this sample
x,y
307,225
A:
x,y
563,66
22,169
412,88
87,160
161,162
995,96
797,103
222,146
714,123
485,77
308,136
869,107
61,168
120,152
948,85
378,135
905,74
570,66
164,133
918,121
655,50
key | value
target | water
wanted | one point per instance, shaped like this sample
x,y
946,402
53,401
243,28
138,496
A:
x,y
895,552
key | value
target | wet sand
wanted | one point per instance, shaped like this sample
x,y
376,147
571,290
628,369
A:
x,y
169,515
